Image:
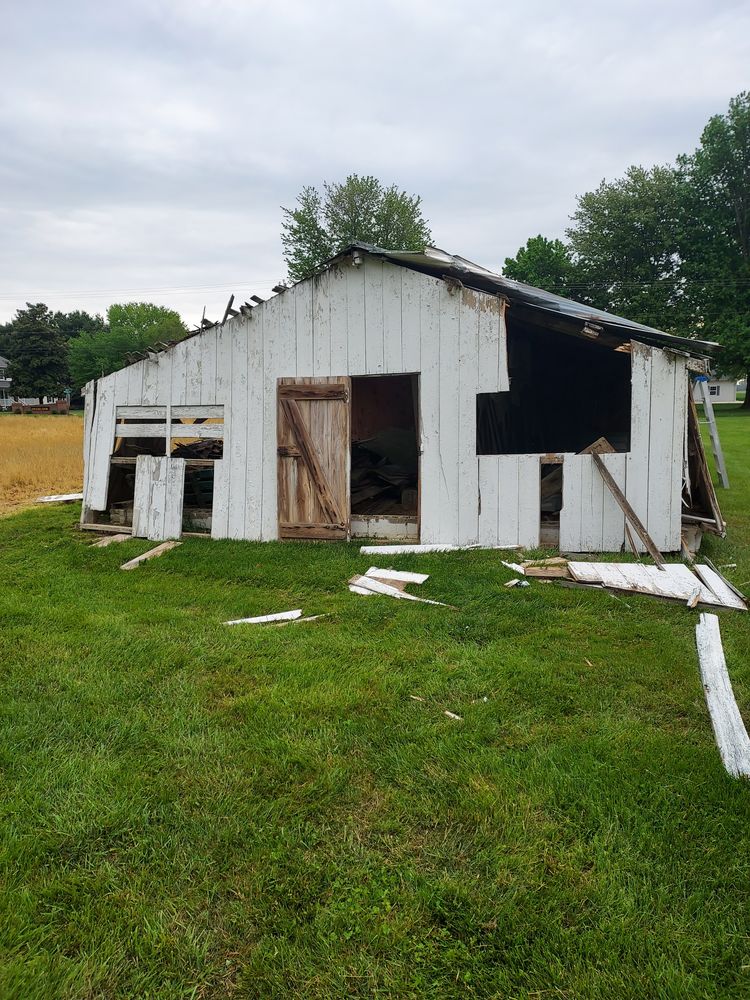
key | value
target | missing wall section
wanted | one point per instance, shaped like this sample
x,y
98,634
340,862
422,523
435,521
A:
x,y
565,392
385,454
550,503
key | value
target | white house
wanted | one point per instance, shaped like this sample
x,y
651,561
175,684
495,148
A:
x,y
400,394
721,390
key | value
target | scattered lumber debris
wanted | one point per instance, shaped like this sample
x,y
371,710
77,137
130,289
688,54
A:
x,y
279,616
729,729
151,554
676,581
60,498
108,539
307,618
452,715
366,585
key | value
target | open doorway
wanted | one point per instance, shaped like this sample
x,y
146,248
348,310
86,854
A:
x,y
385,456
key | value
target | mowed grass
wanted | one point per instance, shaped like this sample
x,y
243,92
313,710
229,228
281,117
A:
x,y
191,810
39,455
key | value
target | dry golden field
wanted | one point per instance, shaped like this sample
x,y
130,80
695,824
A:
x,y
38,455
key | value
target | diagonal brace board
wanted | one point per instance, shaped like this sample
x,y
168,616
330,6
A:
x,y
630,514
708,409
310,458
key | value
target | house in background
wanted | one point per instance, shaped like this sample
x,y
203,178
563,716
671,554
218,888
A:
x,y
5,397
721,390
404,395
8,401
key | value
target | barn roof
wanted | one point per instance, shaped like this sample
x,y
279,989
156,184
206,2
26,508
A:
x,y
437,262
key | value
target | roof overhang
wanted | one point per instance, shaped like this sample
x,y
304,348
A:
x,y
561,313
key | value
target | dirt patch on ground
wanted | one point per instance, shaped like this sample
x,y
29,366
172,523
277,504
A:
x,y
39,454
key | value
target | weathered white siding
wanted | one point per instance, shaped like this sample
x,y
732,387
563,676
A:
x,y
373,319
378,318
157,507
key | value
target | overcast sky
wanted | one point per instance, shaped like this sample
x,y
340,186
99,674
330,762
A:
x,y
146,147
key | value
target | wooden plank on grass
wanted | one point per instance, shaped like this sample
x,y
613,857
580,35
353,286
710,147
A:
x,y
369,583
104,542
716,582
279,616
159,550
399,575
729,729
60,498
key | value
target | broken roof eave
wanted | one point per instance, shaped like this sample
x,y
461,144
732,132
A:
x,y
441,264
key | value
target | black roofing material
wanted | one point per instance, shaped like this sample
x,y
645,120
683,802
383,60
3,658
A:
x,y
441,264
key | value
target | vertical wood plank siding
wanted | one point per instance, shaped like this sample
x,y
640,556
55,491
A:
x,y
378,318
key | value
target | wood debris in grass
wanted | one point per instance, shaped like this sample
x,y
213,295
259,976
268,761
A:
x,y
60,498
102,543
369,584
452,715
729,729
279,616
151,554
297,621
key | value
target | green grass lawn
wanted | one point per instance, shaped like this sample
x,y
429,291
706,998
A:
x,y
191,811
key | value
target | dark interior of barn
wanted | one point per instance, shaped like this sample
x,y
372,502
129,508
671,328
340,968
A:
x,y
565,392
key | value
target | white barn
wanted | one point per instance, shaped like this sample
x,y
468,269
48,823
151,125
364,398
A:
x,y
409,395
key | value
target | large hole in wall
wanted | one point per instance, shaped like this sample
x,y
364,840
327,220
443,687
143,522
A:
x,y
385,449
565,392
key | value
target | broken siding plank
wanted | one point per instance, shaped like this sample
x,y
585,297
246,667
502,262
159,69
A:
x,y
321,314
403,576
89,391
726,721
468,377
175,494
488,350
392,361
488,500
102,543
640,422
355,319
725,595
679,440
411,283
374,348
674,581
143,500
660,466
102,443
279,616
151,554
429,406
193,371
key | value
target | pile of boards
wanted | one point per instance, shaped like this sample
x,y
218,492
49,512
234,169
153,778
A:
x,y
674,581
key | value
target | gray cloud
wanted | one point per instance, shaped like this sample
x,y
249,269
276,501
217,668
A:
x,y
148,146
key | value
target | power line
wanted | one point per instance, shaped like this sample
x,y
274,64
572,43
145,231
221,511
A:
x,y
94,292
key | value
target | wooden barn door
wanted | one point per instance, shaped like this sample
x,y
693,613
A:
x,y
313,457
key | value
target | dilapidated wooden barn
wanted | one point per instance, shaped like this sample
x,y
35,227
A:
x,y
404,395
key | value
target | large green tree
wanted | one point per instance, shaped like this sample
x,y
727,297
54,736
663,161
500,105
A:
x,y
131,328
360,208
625,240
547,264
74,323
38,358
716,237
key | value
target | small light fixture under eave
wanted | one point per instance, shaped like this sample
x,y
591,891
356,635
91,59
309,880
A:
x,y
591,330
357,258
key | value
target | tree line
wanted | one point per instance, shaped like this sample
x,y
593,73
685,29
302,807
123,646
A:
x,y
668,246
55,353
